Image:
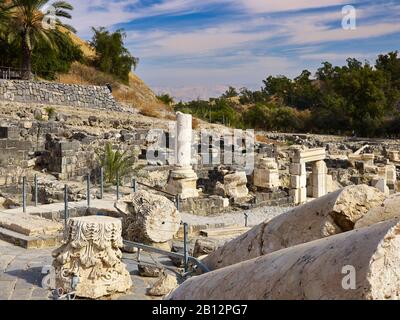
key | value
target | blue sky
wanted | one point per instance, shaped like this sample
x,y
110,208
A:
x,y
194,48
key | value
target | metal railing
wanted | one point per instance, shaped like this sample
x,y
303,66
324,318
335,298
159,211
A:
x,y
140,246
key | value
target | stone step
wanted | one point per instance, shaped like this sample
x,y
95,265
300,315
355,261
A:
x,y
29,225
30,242
224,232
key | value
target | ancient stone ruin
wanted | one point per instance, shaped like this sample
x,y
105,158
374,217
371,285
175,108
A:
x,y
89,263
194,210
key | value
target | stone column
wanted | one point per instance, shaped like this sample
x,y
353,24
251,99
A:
x,y
391,177
298,182
89,263
319,173
361,264
183,140
333,213
183,179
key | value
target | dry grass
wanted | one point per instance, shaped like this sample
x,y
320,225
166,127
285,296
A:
x,y
87,50
195,123
137,94
82,74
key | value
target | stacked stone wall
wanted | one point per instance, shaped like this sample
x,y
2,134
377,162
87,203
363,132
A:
x,y
57,94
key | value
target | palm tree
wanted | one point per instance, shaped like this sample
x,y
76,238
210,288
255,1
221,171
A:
x,y
4,14
27,22
115,161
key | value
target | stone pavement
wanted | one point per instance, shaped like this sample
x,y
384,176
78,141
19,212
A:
x,y
20,274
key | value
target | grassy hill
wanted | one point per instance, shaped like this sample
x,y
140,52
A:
x,y
136,93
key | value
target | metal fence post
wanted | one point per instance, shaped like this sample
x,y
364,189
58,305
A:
x,y
185,246
134,185
88,190
66,215
24,194
101,182
117,185
178,202
36,191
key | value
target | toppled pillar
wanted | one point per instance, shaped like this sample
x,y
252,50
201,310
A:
x,y
148,218
319,270
388,210
266,175
183,179
334,213
89,263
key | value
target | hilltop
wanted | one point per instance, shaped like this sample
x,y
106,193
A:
x,y
137,93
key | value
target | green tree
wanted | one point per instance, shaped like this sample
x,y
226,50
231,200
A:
x,y
166,99
112,56
25,23
230,93
389,64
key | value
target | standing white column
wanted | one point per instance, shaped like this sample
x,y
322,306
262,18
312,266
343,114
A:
x,y
182,179
319,172
183,140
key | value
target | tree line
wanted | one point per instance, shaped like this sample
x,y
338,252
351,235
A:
x,y
34,38
355,99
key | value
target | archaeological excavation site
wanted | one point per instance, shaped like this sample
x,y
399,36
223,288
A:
x,y
198,158
101,202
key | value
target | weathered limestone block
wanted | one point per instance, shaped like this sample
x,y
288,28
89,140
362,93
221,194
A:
x,y
205,246
163,286
297,182
150,271
394,155
297,169
311,271
235,185
334,213
319,172
184,183
299,195
266,175
391,177
149,218
389,209
380,184
92,256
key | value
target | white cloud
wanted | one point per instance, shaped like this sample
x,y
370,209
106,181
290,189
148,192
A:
x,y
268,6
159,43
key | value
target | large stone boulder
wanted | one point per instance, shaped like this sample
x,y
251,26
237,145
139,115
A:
x,y
148,217
163,286
331,214
389,209
362,264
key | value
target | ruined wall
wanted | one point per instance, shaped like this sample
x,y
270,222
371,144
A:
x,y
57,94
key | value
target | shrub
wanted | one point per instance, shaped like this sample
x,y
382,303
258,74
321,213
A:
x,y
115,161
